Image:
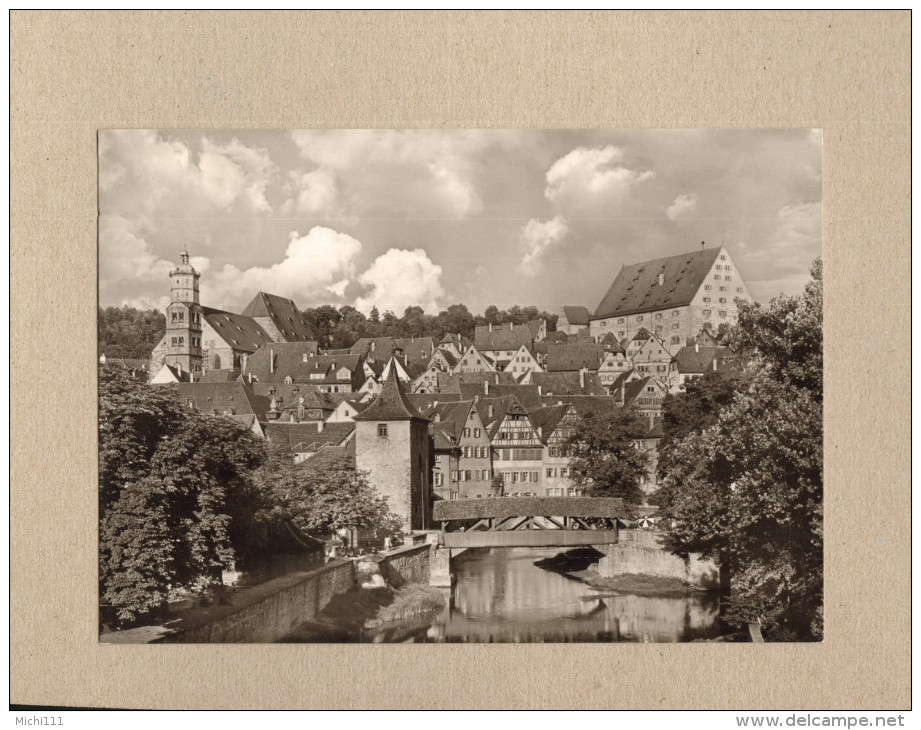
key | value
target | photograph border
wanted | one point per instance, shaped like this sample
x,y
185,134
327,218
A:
x,y
73,73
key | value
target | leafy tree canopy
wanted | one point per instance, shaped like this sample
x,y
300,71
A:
x,y
742,467
604,460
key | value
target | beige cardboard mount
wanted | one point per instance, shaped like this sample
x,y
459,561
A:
x,y
847,73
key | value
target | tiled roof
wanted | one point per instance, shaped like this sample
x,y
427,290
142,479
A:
x,y
306,436
218,376
576,315
284,314
381,348
425,401
391,404
567,383
451,383
527,395
503,337
546,419
452,412
636,288
223,397
289,361
584,403
238,331
691,360
574,356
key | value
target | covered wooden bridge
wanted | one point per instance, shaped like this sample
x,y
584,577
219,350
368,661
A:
x,y
528,521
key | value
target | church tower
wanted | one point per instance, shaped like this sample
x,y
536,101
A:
x,y
183,318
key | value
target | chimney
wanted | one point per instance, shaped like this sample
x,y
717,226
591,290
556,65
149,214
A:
x,y
582,378
511,326
373,345
661,279
696,346
623,394
304,357
490,326
272,360
435,404
540,390
320,425
485,387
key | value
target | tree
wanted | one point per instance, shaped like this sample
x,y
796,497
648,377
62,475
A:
x,y
126,332
171,483
604,459
746,485
322,495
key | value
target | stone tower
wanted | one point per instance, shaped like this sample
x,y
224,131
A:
x,y
393,445
184,318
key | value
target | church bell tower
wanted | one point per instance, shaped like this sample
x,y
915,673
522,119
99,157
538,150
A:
x,y
183,318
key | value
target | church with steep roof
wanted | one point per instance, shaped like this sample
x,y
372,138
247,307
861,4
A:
x,y
199,338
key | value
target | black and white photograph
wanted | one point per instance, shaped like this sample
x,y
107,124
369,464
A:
x,y
460,386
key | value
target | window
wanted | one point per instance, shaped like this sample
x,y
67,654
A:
x,y
468,452
439,479
722,300
706,299
468,475
564,472
739,289
639,318
722,257
485,473
550,473
719,266
716,276
454,476
706,313
466,433
728,277
535,476
723,288
382,430
708,287
604,323
571,491
620,320
676,340
722,313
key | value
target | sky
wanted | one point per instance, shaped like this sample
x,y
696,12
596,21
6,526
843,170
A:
x,y
394,218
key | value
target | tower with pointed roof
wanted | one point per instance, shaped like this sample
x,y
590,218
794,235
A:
x,y
392,444
184,318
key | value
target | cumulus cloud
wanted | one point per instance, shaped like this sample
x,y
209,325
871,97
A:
x,y
130,273
682,205
537,237
399,172
400,278
141,169
314,193
586,175
314,267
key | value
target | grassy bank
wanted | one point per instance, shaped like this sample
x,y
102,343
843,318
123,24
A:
x,y
353,615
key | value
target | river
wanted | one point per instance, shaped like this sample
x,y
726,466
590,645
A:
x,y
501,596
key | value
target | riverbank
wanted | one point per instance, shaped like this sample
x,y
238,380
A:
x,y
582,564
356,615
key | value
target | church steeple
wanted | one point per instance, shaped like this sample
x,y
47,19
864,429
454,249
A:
x,y
184,318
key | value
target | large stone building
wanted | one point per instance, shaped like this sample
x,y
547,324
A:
x,y
674,298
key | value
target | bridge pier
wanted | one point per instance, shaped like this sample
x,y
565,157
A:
x,y
440,574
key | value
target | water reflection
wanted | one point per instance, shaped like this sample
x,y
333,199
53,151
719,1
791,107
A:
x,y
501,596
